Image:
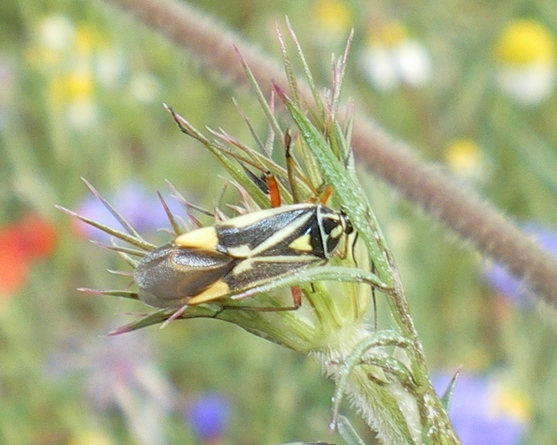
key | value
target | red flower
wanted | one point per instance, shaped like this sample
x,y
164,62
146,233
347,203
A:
x,y
37,236
14,262
28,239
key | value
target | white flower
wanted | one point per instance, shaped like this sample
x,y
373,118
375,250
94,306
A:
x,y
56,32
82,114
145,87
109,66
392,59
528,85
526,56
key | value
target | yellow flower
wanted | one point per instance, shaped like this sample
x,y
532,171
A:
x,y
523,42
526,56
391,34
332,18
90,438
72,86
74,59
464,158
87,39
511,403
73,95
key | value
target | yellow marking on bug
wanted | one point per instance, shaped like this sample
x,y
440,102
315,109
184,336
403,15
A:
x,y
213,292
204,238
242,251
243,266
251,218
302,243
279,236
336,232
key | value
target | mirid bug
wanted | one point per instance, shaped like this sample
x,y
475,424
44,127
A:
x,y
240,254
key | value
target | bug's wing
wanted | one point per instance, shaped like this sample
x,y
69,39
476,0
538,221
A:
x,y
255,231
170,275
253,272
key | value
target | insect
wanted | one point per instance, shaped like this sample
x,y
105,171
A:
x,y
240,254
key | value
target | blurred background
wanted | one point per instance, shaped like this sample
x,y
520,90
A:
x,y
471,85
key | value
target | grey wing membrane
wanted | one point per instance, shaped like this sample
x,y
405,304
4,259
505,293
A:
x,y
170,275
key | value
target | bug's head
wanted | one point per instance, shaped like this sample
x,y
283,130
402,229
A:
x,y
334,226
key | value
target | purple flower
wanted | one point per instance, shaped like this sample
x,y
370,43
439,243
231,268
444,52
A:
x,y
207,415
504,283
124,361
483,412
119,373
140,208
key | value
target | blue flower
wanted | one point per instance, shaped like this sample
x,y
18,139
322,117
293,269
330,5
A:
x,y
207,415
504,283
484,412
140,208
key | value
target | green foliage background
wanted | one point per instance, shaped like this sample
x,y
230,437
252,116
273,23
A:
x,y
277,396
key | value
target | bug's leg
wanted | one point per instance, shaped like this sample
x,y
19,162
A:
x,y
255,309
296,296
296,301
272,189
308,276
177,314
268,184
343,253
327,192
354,249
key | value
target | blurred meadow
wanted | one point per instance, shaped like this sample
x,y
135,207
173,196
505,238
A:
x,y
470,85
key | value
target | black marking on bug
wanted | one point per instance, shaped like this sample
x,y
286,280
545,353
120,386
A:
x,y
240,254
